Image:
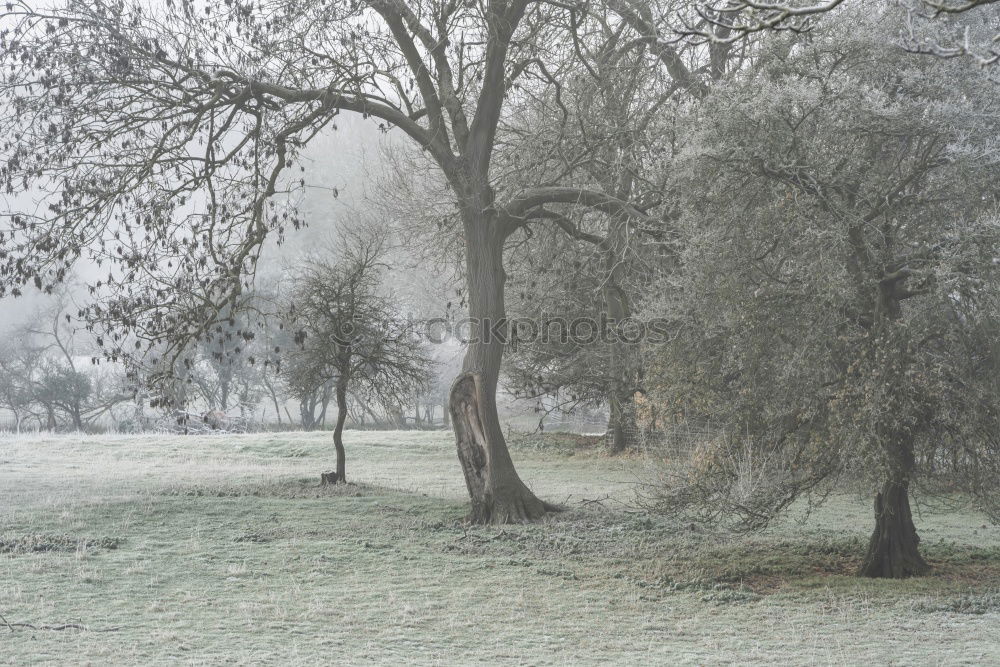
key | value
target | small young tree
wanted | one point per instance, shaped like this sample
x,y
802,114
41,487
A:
x,y
840,295
352,335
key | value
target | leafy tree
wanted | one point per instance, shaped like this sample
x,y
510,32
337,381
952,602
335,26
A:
x,y
838,307
567,350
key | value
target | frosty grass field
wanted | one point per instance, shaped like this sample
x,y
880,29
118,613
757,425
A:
x,y
224,549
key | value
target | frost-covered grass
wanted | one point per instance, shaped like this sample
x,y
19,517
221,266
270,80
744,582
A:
x,y
215,549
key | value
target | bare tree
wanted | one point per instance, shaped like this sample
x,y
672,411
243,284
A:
x,y
350,336
623,100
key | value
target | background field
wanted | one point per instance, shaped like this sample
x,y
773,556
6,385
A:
x,y
224,549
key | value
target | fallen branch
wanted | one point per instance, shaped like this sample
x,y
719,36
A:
x,y
595,501
66,626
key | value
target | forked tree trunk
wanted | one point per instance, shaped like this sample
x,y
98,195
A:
x,y
893,552
498,495
307,412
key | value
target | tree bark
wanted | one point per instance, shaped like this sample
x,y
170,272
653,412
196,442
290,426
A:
x,y
498,495
77,418
893,552
396,416
340,476
224,396
306,413
277,408
622,426
324,402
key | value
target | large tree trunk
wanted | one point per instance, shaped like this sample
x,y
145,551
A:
x,y
893,552
622,429
498,495
894,547
396,416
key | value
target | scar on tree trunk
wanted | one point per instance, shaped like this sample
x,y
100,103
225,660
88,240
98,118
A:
x,y
497,492
893,552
